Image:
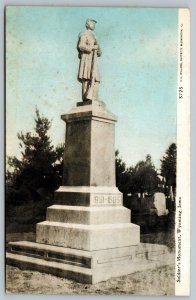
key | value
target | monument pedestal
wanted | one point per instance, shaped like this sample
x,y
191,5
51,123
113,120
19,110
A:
x,y
87,235
88,214
89,157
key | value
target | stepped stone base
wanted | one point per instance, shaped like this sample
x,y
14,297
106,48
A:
x,y
88,228
87,266
87,237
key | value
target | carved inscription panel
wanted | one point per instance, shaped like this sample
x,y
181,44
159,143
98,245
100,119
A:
x,y
106,199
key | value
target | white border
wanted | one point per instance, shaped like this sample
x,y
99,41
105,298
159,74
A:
x,y
139,3
182,228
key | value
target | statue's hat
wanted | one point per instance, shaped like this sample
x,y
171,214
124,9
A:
x,y
90,20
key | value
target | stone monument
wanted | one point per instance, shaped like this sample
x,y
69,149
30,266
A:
x,y
87,235
88,214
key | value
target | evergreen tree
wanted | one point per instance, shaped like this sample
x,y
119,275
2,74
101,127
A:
x,y
40,166
168,165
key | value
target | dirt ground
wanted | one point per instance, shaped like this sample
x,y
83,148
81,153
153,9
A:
x,y
151,282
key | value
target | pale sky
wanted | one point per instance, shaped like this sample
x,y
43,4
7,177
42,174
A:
x,y
138,71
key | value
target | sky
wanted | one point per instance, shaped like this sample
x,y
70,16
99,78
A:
x,y
138,69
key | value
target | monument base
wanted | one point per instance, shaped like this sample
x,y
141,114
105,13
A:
x,y
88,228
88,237
87,266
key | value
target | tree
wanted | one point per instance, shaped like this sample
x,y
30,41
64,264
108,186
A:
x,y
139,179
123,175
144,177
40,167
168,165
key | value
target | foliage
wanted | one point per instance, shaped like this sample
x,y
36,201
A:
x,y
145,177
123,175
168,165
139,179
40,167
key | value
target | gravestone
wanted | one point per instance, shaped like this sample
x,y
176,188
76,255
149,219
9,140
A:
x,y
160,204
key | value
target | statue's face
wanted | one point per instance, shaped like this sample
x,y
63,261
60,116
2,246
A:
x,y
91,25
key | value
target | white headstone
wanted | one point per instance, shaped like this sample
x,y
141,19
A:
x,y
160,204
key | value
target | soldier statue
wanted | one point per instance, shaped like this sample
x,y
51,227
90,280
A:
x,y
89,50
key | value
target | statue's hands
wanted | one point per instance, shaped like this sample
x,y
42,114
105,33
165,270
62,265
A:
x,y
96,47
99,52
